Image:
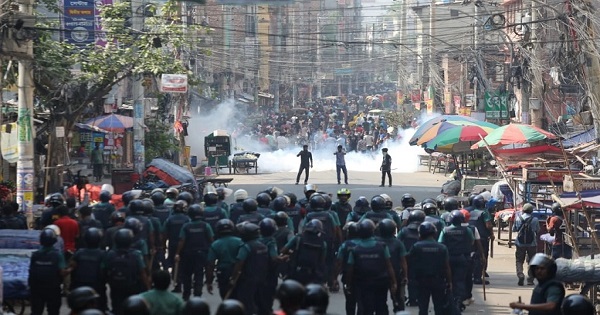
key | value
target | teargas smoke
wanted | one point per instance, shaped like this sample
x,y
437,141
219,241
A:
x,y
226,116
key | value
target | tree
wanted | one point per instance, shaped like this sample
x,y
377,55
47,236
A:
x,y
70,81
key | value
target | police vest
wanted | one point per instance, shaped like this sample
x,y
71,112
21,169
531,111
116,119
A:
x,y
197,239
257,263
294,213
430,259
102,212
122,269
265,212
409,235
342,210
235,211
308,254
349,246
439,225
394,245
370,264
145,232
173,227
457,240
281,236
212,215
325,218
478,222
395,217
252,217
377,216
539,296
156,225
88,270
43,269
162,213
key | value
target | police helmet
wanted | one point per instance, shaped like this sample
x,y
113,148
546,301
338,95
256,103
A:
x,y
427,229
136,305
56,199
250,205
344,193
556,208
429,209
188,197
172,193
248,231
196,306
361,206
439,201
366,228
352,230
377,203
446,218
470,199
224,226
222,193
158,198
545,261
456,218
82,298
389,203
48,237
267,227
273,192
211,199
231,307
263,199
240,194
293,198
407,201
105,196
290,293
117,216
54,228
136,207
148,206
281,218
426,201
314,226
93,236
478,202
328,201
280,203
180,206
450,204
134,225
317,202
123,238
127,197
466,214
310,189
195,212
416,216
387,228
577,304
316,298
528,208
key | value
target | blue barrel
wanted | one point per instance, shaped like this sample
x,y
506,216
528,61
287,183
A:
x,y
194,160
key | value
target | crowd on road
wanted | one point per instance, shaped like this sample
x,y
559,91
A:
x,y
436,249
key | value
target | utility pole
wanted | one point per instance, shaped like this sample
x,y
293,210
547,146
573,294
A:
x,y
400,64
137,93
536,72
431,54
25,163
279,59
593,79
319,57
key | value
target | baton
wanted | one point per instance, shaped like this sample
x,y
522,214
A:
x,y
483,283
230,291
491,248
176,273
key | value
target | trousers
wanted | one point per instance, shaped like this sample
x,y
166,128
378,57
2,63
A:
x,y
520,254
562,251
371,299
223,276
343,169
389,176
479,267
192,274
458,266
49,298
306,173
434,288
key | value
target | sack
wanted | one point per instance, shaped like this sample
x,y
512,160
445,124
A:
x,y
525,234
122,269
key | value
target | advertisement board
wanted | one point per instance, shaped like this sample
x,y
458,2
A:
x,y
78,20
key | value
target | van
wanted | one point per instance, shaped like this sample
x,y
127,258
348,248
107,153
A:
x,y
377,113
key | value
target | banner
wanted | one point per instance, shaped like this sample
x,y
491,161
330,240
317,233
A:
x,y
448,103
100,37
9,142
173,83
429,103
78,21
496,105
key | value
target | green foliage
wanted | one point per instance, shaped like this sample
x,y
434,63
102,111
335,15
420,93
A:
x,y
160,140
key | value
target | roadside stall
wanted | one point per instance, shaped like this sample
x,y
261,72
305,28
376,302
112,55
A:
x,y
217,149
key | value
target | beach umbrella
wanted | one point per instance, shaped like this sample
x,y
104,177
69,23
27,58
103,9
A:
x,y
112,122
457,134
514,134
441,128
446,118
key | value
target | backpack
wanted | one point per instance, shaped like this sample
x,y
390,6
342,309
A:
x,y
122,269
525,234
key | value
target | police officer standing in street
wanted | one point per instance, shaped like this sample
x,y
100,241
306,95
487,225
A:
x,y
236,209
306,160
86,266
386,167
342,207
482,220
309,251
212,212
377,212
171,231
408,204
409,235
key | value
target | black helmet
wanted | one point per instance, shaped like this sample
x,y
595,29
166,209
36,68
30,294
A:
x,y
250,205
134,225
48,237
148,206
280,203
407,201
328,201
248,231
224,226
105,196
211,199
314,226
93,236
352,228
267,227
361,206
172,193
316,299
221,193
136,207
439,201
82,298
117,216
231,307
273,192
543,261
377,203
426,201
180,206
196,306
366,228
457,218
293,198
317,202
556,208
389,203
195,212
158,198
136,305
478,202
263,199
127,197
290,293
123,238
56,199
187,197
446,218
577,304
416,216
387,228
450,204
281,218
427,229
470,199
429,209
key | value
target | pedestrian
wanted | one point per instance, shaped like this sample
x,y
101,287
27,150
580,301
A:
x,y
86,266
160,301
387,234
527,227
548,295
386,168
340,164
556,228
306,160
97,160
223,251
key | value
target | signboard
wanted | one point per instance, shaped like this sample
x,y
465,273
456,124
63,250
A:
x,y
342,71
496,105
579,184
99,31
251,2
173,83
429,104
543,175
78,21
448,102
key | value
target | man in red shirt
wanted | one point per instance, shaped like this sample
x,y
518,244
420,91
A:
x,y
556,229
69,230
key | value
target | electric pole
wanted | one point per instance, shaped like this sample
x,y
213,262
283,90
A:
x,y
536,72
137,93
279,59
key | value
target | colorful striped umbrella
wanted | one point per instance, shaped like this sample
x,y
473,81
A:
x,y
454,135
112,122
446,118
514,134
440,129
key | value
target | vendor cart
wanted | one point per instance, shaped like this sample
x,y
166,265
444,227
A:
x,y
243,162
217,148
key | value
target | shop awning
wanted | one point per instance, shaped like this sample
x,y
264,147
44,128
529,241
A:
x,y
580,138
589,198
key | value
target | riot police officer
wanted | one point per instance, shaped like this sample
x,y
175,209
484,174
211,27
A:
x,y
343,267
282,236
236,209
231,307
86,266
280,204
212,212
409,235
577,304
139,243
309,254
187,197
50,214
361,206
309,190
408,203
161,211
81,299
171,231
172,194
264,202
267,286
389,208
342,206
222,193
250,212
294,211
317,299
196,306
431,212
291,295
377,212
136,210
117,220
192,251
482,221
223,250
387,235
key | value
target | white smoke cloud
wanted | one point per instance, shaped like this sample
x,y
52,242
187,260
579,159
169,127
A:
x,y
404,157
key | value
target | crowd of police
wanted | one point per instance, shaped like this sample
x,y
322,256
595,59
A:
x,y
436,249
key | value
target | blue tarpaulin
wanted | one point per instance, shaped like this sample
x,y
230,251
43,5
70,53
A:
x,y
171,173
581,138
